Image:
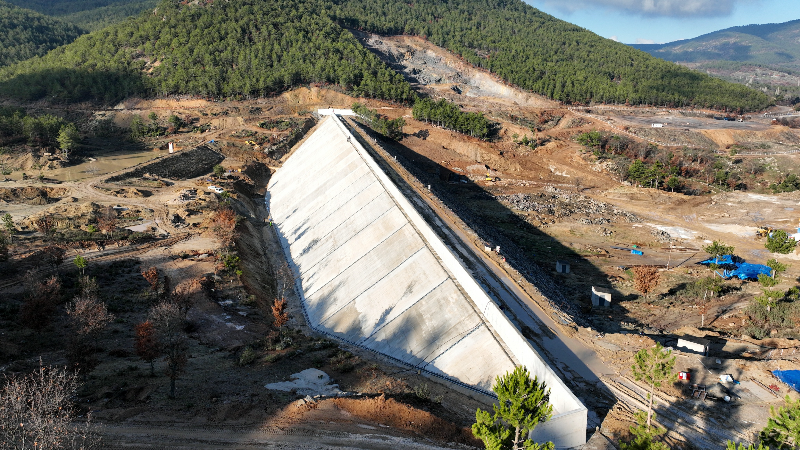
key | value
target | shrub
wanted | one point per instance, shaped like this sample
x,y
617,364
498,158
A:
x,y
780,242
247,357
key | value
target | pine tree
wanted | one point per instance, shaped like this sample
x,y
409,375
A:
x,y
522,403
654,367
783,428
643,435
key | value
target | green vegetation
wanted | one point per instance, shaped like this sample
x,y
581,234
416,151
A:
x,y
90,15
717,249
522,402
790,183
783,428
101,17
644,435
41,131
258,48
650,166
772,310
654,366
27,34
735,52
779,242
391,128
220,49
449,115
733,446
545,55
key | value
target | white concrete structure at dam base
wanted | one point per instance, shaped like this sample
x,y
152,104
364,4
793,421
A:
x,y
371,272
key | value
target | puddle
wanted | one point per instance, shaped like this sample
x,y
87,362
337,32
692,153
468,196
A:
x,y
102,164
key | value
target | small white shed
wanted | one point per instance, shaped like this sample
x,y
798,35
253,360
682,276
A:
x,y
601,296
562,266
691,344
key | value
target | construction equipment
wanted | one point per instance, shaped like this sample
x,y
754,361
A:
x,y
251,143
763,231
489,177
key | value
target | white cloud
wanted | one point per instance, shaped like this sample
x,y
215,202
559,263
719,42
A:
x,y
672,8
645,41
614,38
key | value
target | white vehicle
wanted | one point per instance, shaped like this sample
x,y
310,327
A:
x,y
216,189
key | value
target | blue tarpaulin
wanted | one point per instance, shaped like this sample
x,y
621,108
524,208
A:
x,y
721,260
736,267
790,377
745,271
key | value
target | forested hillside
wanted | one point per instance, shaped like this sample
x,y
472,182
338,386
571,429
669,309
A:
x,y
259,47
244,47
97,18
25,34
545,55
88,14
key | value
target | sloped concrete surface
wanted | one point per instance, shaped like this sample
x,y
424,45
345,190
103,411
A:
x,y
373,273
367,275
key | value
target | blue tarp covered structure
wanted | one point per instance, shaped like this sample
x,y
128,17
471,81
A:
x,y
745,271
736,267
790,377
724,260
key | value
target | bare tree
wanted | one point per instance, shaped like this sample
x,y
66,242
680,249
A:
x,y
107,221
40,301
168,323
53,255
186,294
223,225
88,316
151,275
283,278
36,413
279,312
44,224
147,346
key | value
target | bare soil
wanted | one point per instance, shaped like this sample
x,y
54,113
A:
x,y
551,203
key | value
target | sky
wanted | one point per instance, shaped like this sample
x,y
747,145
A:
x,y
662,21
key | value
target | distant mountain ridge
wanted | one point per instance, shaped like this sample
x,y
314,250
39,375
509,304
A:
x,y
763,56
768,44
90,15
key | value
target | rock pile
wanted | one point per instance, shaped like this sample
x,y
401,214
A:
x,y
558,204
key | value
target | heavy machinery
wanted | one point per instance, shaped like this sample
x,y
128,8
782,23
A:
x,y
490,178
763,231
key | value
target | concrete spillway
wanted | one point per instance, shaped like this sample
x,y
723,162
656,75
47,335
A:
x,y
371,272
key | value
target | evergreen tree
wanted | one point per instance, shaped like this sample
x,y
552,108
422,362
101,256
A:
x,y
68,137
522,403
783,427
654,366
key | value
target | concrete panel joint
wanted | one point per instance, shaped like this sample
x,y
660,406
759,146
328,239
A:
x,y
371,272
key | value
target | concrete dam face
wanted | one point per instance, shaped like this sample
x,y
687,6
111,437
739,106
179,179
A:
x,y
371,272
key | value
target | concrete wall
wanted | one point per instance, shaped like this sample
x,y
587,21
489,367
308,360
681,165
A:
x,y
373,273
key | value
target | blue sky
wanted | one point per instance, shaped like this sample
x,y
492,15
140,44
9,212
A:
x,y
660,21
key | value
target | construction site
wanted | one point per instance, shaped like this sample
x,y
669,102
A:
x,y
421,268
